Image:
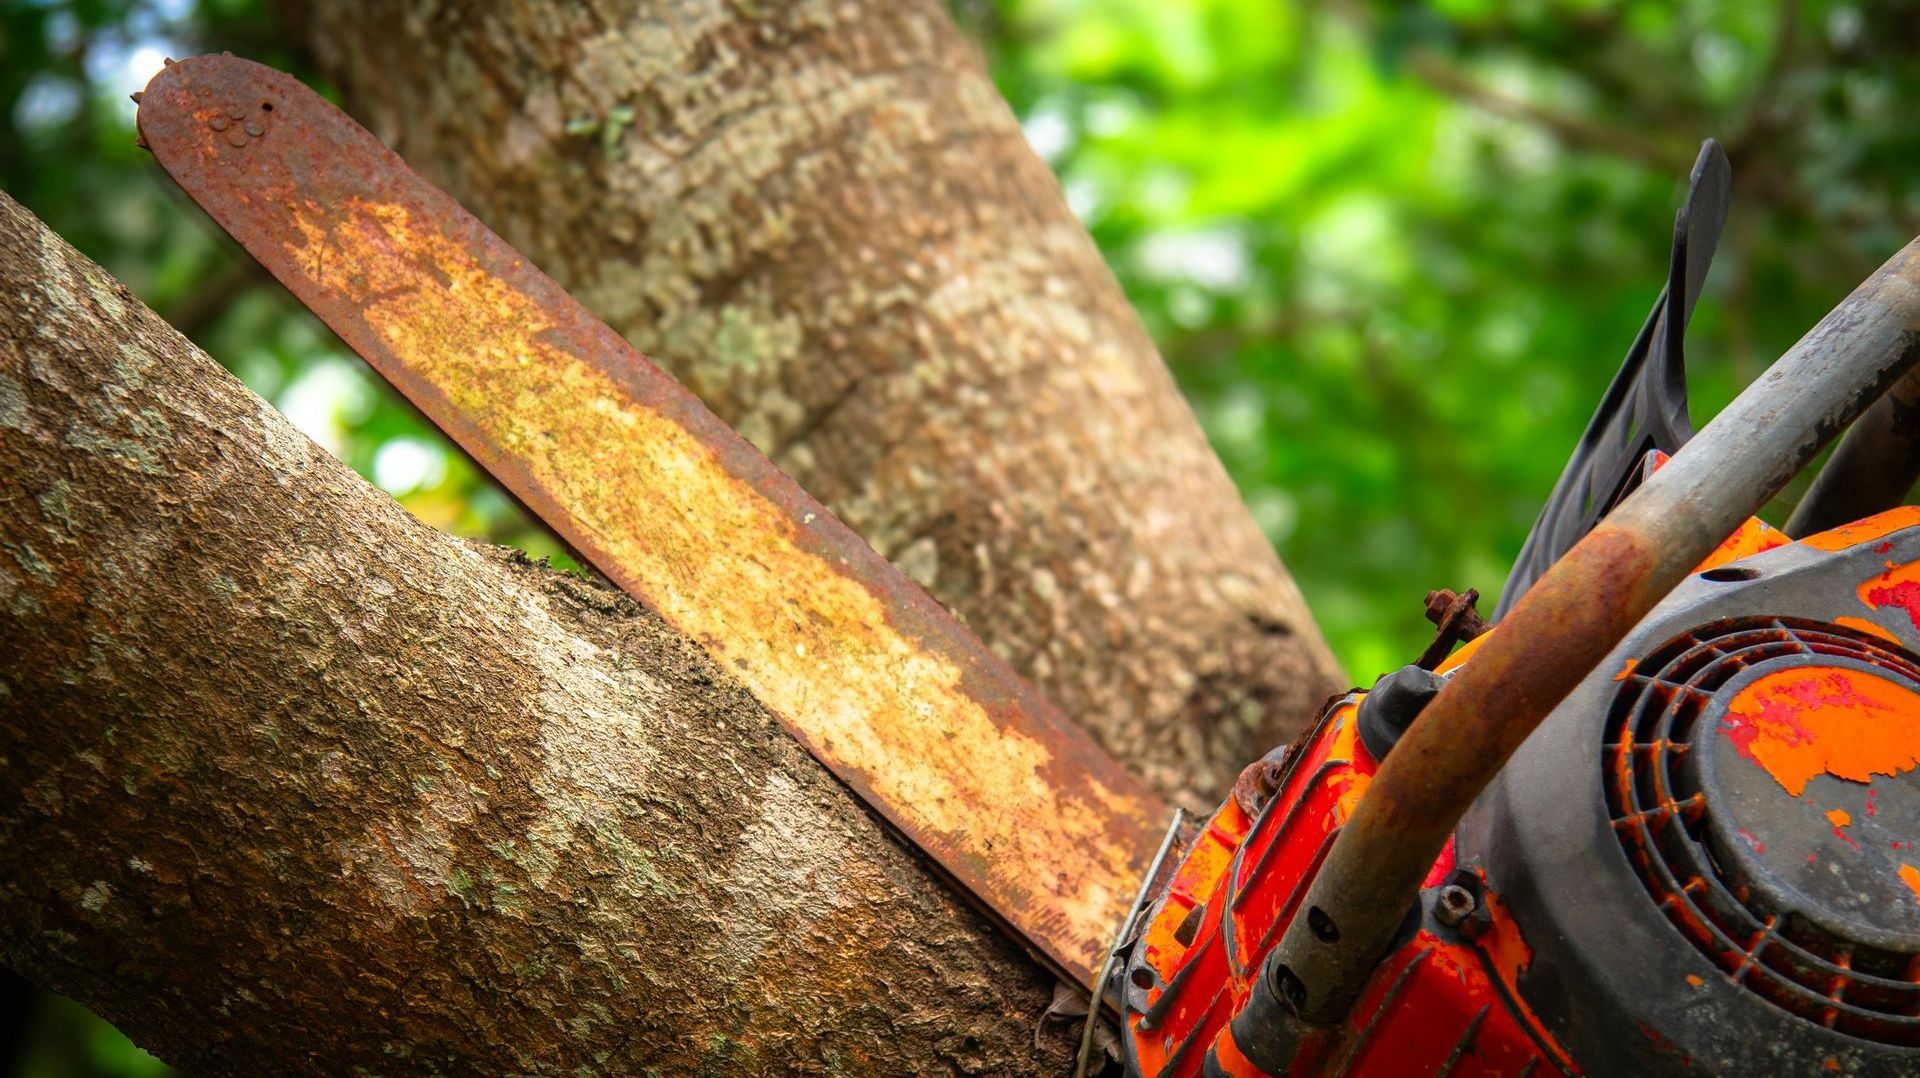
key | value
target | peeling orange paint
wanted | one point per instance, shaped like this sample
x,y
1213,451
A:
x,y
1502,943
1899,587
1696,980
1874,527
1839,817
1813,720
1865,626
1910,876
1627,670
1754,536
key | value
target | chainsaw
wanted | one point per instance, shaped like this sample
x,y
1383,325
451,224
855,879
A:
x,y
1701,860
1658,817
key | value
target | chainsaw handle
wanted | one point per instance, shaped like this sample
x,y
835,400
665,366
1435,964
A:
x,y
1568,622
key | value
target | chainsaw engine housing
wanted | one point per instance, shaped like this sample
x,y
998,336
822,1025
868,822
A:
x,y
1710,845
1702,862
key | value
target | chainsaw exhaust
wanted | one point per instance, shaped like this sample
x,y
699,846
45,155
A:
x,y
1572,617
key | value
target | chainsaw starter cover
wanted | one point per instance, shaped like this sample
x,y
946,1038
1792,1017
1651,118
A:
x,y
1702,862
1710,845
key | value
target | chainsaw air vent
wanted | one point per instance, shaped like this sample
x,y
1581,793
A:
x,y
1759,776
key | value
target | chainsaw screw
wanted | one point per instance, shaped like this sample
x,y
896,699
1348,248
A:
x,y
1455,622
1259,781
1454,904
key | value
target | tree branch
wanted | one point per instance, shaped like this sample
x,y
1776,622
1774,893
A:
x,y
826,221
1576,131
292,784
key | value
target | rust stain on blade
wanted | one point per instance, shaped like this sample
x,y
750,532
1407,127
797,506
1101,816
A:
x,y
876,679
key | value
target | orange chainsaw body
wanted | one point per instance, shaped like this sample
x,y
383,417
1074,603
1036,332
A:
x,y
1448,998
1238,889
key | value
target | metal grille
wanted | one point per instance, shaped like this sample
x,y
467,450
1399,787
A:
x,y
1660,816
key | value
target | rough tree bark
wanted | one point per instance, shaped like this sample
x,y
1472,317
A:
x,y
291,783
823,218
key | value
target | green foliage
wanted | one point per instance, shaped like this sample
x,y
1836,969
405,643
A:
x,y
68,1041
1393,252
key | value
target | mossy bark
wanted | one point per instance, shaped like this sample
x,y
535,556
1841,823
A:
x,y
823,218
291,783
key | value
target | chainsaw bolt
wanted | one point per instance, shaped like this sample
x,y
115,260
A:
x,y
1455,622
1259,781
1453,905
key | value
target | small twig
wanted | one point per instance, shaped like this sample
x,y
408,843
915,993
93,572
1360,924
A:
x,y
1577,131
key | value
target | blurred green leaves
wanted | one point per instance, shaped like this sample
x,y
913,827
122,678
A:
x,y
70,1042
1394,252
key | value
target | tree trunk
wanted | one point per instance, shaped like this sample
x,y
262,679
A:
x,y
291,783
823,218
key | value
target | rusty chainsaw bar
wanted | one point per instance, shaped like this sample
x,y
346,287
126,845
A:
x,y
880,683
